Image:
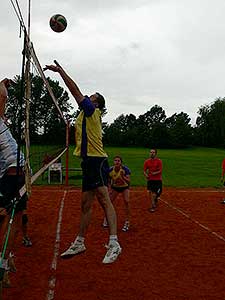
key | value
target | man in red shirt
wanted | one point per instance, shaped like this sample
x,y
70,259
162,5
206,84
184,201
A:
x,y
153,174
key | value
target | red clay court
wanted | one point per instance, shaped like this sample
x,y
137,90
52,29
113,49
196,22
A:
x,y
176,253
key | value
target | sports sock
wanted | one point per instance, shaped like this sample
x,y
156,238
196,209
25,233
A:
x,y
113,239
79,240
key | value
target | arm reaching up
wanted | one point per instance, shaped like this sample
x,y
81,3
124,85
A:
x,y
72,86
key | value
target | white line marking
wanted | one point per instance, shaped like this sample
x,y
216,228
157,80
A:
x,y
52,279
194,221
49,190
182,191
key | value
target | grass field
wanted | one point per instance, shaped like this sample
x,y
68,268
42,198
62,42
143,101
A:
x,y
194,167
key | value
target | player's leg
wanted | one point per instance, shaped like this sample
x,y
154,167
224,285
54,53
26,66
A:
x,y
149,189
10,225
108,208
113,248
126,198
158,190
153,200
86,211
78,245
24,221
113,196
26,240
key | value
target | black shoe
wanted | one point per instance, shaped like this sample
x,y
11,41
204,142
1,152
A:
x,y
27,242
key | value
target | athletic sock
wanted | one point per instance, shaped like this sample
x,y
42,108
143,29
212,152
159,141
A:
x,y
79,240
113,239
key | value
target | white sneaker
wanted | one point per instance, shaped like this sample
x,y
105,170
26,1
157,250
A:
x,y
112,253
74,249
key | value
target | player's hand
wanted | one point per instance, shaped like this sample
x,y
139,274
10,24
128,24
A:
x,y
122,172
52,68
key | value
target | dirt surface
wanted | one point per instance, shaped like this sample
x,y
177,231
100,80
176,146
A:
x,y
176,253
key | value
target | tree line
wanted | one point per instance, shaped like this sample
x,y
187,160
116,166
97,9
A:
x,y
155,129
151,129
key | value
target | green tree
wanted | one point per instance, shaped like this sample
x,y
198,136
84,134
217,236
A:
x,y
151,127
121,131
46,125
210,124
179,130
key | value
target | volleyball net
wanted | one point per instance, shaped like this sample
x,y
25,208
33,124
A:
x,y
41,122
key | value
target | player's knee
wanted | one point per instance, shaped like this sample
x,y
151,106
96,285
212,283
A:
x,y
24,219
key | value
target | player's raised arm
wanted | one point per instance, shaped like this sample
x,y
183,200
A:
x,y
72,86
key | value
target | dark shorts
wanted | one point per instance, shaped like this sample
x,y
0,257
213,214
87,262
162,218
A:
x,y
120,189
95,173
9,186
155,186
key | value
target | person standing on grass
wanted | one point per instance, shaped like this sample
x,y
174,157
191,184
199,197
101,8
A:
x,y
119,176
94,166
153,174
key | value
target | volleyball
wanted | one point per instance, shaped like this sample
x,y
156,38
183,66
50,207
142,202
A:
x,y
58,23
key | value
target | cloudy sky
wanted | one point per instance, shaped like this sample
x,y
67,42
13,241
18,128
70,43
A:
x,y
137,53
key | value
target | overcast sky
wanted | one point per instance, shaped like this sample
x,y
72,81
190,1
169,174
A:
x,y
137,53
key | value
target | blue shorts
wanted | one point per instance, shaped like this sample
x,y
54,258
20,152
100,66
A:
x,y
95,172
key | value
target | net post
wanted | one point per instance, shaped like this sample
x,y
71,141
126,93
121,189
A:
x,y
67,153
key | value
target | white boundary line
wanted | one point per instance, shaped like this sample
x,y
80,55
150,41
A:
x,y
193,220
52,279
49,190
182,191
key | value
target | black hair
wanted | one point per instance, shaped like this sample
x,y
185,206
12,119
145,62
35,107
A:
x,y
101,101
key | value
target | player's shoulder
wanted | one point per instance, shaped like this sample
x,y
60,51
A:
x,y
126,169
147,160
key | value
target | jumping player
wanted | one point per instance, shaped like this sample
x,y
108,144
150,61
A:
x,y
94,166
153,174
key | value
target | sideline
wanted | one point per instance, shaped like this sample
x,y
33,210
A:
x,y
182,190
52,279
52,190
193,220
